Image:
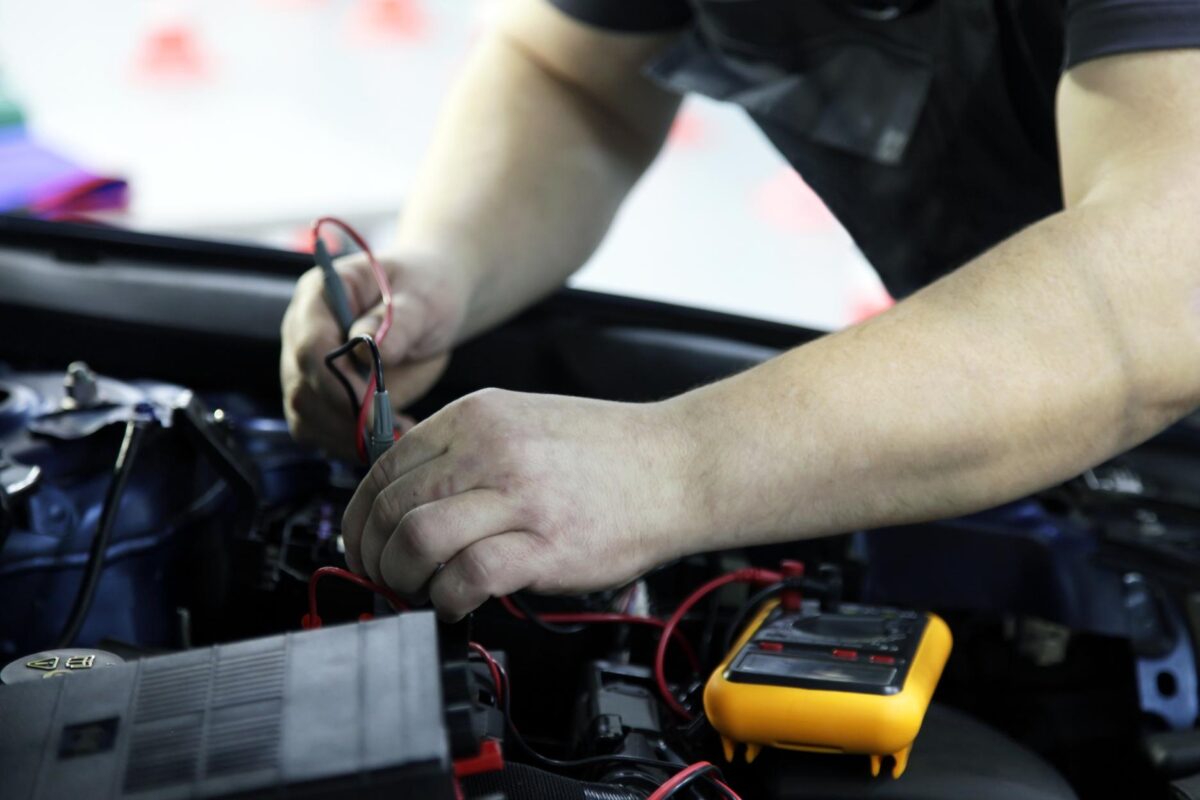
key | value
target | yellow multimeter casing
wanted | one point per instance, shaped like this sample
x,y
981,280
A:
x,y
854,680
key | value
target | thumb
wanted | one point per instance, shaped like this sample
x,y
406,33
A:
x,y
395,345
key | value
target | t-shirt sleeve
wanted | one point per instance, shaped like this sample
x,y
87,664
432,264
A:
x,y
629,16
1097,28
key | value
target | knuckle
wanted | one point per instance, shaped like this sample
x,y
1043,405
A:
x,y
537,517
482,405
511,458
302,432
476,571
293,396
304,354
414,532
511,449
380,476
384,511
312,280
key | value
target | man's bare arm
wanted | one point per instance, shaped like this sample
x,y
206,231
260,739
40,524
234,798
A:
x,y
549,126
544,135
1070,342
1064,345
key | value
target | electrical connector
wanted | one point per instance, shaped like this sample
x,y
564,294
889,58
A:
x,y
382,432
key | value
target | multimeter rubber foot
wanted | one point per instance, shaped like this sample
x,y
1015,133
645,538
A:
x,y
899,763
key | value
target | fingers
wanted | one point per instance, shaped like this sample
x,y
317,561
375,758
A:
x,y
309,331
362,289
427,483
417,504
312,421
434,533
491,567
415,448
409,318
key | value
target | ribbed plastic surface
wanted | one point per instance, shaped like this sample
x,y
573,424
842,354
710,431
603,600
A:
x,y
320,712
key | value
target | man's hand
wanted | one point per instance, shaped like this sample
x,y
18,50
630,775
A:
x,y
492,222
428,309
513,491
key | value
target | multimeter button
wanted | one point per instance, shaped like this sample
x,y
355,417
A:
x,y
848,655
882,660
774,647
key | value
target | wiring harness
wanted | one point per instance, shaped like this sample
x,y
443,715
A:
x,y
789,580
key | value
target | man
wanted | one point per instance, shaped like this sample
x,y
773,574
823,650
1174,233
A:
x,y
1063,329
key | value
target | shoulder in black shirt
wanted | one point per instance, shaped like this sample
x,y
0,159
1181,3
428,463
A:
x,y
929,132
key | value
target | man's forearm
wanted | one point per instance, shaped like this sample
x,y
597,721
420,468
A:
x,y
1070,342
528,166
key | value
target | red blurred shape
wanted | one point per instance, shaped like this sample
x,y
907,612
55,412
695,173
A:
x,y
689,130
787,202
302,240
866,303
791,598
391,20
172,52
489,759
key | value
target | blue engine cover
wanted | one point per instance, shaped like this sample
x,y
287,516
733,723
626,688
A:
x,y
1016,559
170,494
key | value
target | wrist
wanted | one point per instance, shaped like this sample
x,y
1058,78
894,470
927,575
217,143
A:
x,y
688,489
442,285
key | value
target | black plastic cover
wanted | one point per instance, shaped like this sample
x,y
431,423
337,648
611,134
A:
x,y
352,710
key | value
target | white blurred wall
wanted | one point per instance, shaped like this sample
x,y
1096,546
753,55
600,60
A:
x,y
273,111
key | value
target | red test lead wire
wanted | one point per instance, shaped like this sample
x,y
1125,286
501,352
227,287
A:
x,y
493,667
745,575
313,620
679,777
686,775
385,293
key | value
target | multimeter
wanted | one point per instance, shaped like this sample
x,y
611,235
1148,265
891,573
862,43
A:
x,y
849,679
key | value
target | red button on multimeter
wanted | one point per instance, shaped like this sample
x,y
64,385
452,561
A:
x,y
853,680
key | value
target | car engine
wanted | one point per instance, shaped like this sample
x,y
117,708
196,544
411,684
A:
x,y
172,559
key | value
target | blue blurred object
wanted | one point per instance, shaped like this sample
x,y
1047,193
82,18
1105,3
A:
x,y
57,454
200,481
1114,553
1017,559
36,180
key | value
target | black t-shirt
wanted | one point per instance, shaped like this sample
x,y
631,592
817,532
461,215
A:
x,y
927,126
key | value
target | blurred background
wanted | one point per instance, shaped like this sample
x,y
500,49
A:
x,y
244,119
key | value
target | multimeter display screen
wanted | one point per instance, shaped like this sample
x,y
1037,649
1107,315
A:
x,y
843,630
853,649
816,669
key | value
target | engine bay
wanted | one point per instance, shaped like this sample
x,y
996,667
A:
x,y
156,510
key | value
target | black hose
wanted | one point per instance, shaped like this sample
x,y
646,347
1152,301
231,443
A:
x,y
134,431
